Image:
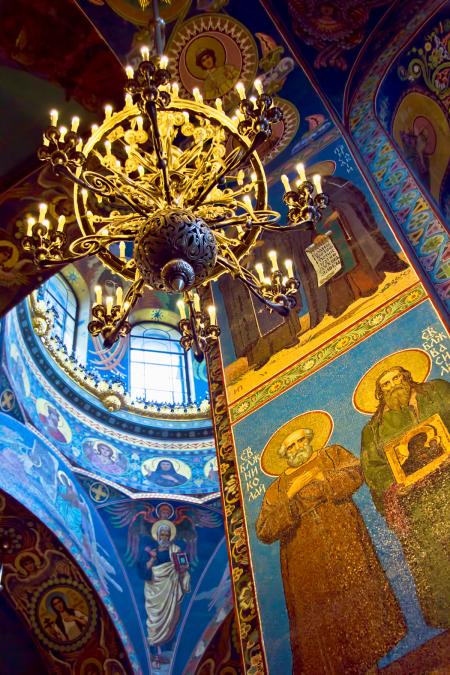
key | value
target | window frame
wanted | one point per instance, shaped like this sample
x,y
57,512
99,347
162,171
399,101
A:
x,y
62,311
185,364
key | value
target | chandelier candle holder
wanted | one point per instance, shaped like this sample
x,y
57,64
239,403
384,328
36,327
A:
x,y
110,317
170,193
306,201
198,329
45,240
280,288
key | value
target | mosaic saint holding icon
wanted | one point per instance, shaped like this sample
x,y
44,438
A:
x,y
167,580
405,457
342,611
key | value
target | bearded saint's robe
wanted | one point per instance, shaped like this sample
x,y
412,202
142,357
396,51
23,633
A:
x,y
421,516
343,615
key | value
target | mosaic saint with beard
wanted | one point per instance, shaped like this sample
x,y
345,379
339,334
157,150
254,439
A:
x,y
395,390
343,615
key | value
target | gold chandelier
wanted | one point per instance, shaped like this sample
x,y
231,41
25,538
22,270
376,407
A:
x,y
170,194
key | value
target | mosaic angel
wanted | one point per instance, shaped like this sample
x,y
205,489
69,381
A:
x,y
163,564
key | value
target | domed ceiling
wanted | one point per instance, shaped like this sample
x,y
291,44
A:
x,y
130,447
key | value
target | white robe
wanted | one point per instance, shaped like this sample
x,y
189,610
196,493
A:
x,y
163,595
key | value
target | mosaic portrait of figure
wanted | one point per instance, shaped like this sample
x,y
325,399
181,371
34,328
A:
x,y
63,614
105,456
68,623
162,546
412,107
167,579
326,555
213,53
421,132
166,472
345,481
406,406
53,422
371,269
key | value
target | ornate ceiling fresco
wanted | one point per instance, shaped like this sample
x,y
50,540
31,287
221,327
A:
x,y
55,497
109,535
350,51
337,59
362,83
66,620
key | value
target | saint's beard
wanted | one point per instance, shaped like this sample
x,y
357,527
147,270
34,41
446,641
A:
x,y
399,397
300,457
163,544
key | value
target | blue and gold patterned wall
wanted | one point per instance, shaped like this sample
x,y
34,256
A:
x,y
412,103
363,87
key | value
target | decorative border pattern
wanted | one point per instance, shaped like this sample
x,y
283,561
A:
x,y
323,355
413,214
249,627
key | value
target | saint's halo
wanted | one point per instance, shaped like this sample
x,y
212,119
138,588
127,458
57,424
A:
x,y
170,525
416,361
319,421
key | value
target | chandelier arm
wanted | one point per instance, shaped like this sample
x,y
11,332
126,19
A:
x,y
304,225
227,201
257,140
234,162
244,190
82,183
280,307
94,242
115,225
132,184
135,292
196,345
221,224
248,220
160,37
49,264
157,143
129,181
188,155
194,178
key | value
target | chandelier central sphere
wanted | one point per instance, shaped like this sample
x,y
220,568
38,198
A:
x,y
175,250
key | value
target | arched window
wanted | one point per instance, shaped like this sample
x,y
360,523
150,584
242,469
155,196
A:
x,y
159,369
62,300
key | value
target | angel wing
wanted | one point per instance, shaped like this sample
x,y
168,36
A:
x,y
135,516
187,519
